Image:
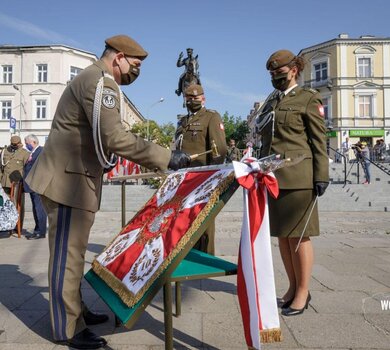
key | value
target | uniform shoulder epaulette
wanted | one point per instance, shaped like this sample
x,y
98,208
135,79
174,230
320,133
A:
x,y
308,88
211,110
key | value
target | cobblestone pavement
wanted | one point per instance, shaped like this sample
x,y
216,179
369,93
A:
x,y
350,288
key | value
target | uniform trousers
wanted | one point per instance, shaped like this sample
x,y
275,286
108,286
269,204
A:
x,y
69,230
206,242
39,213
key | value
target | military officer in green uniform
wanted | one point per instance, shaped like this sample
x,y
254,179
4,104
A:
x,y
233,153
195,134
13,159
85,132
292,125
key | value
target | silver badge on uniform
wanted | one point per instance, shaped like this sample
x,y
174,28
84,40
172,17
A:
x,y
109,101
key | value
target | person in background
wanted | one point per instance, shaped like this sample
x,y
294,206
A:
x,y
40,217
13,159
195,134
363,155
233,153
345,147
296,128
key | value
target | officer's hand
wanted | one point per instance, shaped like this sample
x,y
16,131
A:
x,y
179,160
181,55
320,187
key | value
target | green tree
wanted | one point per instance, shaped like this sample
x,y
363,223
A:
x,y
235,128
162,135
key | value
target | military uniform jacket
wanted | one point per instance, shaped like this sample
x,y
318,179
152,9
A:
x,y
68,170
14,161
233,153
299,129
199,130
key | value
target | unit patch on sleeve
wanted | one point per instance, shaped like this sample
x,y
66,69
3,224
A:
x,y
108,98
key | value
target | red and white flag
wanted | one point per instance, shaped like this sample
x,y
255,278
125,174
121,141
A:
x,y
255,275
159,231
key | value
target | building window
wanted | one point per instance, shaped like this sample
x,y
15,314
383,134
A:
x,y
326,102
6,109
7,74
42,73
364,67
365,106
326,110
41,109
74,71
320,72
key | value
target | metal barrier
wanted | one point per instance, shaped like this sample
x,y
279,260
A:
x,y
344,162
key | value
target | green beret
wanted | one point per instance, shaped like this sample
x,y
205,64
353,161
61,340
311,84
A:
x,y
15,140
127,45
279,59
194,90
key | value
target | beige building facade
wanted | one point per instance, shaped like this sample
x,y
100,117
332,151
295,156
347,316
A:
x,y
353,77
32,80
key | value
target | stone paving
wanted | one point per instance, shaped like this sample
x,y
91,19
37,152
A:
x,y
350,284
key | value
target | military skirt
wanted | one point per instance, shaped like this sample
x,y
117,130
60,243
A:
x,y
290,212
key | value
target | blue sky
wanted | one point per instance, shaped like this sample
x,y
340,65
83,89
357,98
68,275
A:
x,y
232,38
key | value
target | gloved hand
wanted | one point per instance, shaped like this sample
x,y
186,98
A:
x,y
179,160
320,187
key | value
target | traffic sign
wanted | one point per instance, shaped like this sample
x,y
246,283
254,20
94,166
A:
x,y
12,123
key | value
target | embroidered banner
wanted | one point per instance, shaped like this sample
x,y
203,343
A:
x,y
148,243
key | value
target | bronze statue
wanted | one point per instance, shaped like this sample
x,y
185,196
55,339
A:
x,y
191,74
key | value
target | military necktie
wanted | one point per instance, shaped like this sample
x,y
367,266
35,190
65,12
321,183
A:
x,y
279,96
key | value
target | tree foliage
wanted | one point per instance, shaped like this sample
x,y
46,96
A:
x,y
235,128
162,135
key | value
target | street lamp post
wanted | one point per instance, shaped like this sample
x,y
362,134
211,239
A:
x,y
147,115
21,105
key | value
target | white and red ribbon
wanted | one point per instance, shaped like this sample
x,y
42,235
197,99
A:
x,y
255,276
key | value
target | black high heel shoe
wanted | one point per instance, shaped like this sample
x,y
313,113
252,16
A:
x,y
289,311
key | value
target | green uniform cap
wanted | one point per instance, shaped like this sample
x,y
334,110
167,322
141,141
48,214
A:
x,y
279,59
194,90
127,45
15,140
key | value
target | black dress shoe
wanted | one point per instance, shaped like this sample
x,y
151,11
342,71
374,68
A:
x,y
85,340
287,303
36,236
289,311
280,302
91,318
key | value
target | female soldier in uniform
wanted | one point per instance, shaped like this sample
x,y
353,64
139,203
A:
x,y
296,129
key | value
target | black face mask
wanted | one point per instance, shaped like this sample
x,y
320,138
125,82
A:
x,y
131,75
280,81
14,147
193,105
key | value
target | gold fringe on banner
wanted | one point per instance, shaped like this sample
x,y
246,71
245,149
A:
x,y
120,288
272,335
